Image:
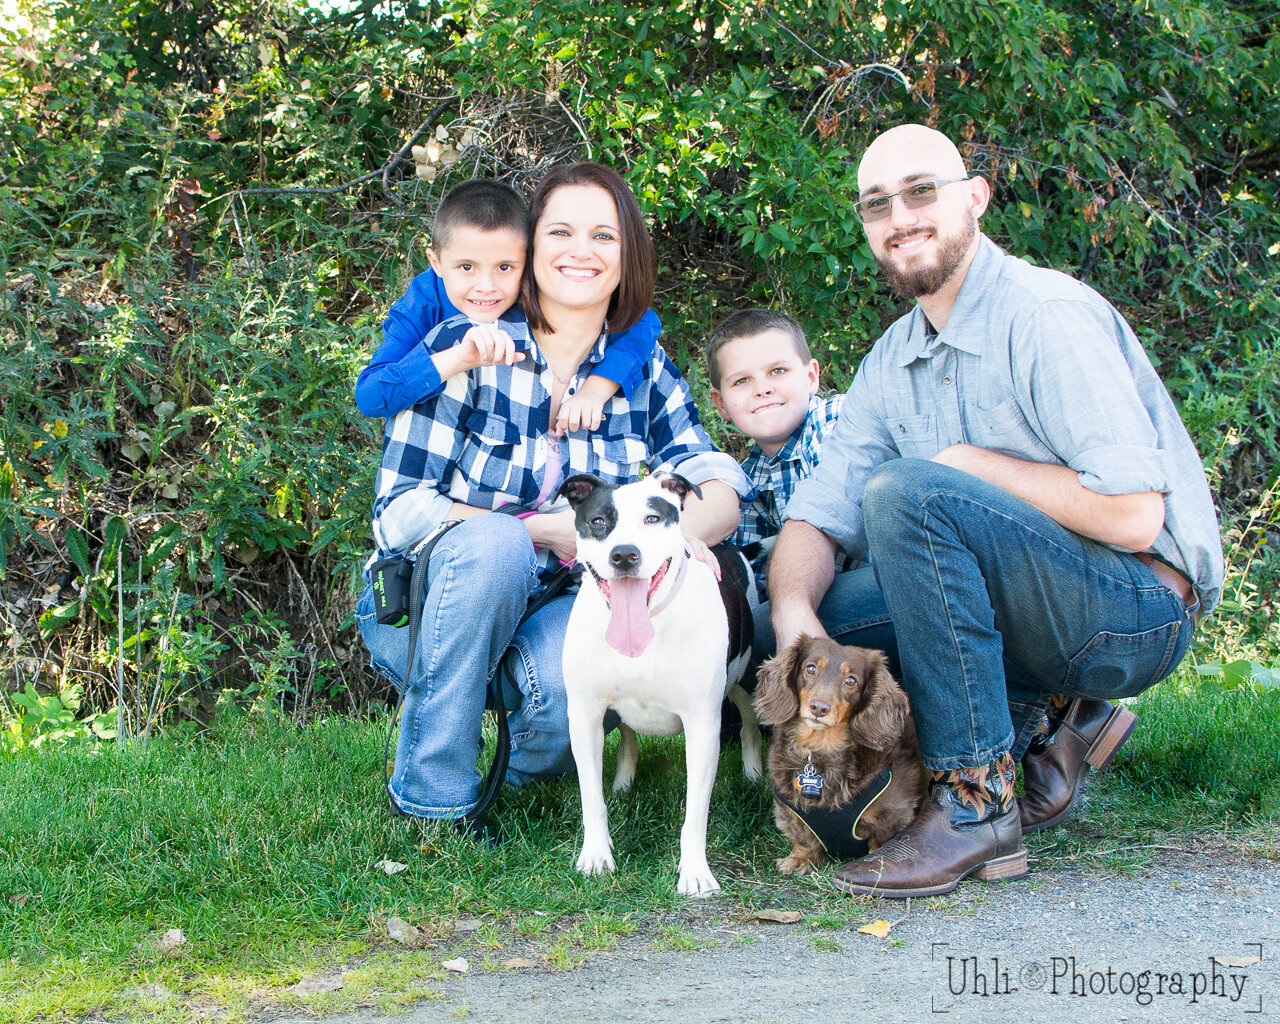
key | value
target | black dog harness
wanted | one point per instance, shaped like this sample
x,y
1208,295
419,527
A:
x,y
836,828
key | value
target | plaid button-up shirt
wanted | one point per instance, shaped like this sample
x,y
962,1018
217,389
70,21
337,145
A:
x,y
775,477
484,440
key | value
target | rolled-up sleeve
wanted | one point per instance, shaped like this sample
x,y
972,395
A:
x,y
1098,425
420,449
831,499
677,439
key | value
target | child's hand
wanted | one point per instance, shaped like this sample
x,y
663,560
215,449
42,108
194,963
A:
x,y
699,550
487,345
580,411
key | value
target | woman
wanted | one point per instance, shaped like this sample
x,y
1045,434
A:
x,y
487,440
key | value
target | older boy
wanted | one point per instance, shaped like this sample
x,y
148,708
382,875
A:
x,y
477,259
765,382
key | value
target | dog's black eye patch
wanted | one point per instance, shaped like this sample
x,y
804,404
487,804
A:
x,y
666,512
597,515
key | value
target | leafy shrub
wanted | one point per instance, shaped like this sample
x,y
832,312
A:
x,y
198,239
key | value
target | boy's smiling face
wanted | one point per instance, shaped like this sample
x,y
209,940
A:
x,y
481,270
765,387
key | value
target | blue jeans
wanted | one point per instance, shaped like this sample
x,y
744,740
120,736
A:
x,y
990,607
481,577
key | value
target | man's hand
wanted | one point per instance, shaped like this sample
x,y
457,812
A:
x,y
800,573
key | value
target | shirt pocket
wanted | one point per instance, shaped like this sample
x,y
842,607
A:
x,y
617,458
1003,428
488,453
915,437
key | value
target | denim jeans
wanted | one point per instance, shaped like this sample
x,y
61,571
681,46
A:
x,y
990,607
481,577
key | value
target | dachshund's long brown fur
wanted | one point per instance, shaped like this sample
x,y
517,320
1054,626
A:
x,y
840,706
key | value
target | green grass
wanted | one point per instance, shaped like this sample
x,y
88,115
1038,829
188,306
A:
x,y
261,844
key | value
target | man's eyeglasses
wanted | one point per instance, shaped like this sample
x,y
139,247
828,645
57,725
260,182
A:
x,y
914,196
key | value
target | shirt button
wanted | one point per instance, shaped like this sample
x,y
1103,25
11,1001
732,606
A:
x,y
946,380
571,391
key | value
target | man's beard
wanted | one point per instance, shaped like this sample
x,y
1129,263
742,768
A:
x,y
929,278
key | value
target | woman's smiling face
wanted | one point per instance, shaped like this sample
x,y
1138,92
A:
x,y
577,249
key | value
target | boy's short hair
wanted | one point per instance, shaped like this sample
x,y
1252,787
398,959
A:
x,y
480,203
747,323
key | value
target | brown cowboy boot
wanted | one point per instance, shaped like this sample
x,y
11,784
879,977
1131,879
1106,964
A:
x,y
1088,733
968,827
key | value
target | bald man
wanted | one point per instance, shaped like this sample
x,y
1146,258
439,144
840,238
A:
x,y
1036,520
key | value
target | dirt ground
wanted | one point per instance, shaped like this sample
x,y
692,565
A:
x,y
1190,937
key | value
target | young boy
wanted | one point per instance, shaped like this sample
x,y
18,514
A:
x,y
477,258
765,382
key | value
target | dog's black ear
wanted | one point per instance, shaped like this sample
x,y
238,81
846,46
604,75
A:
x,y
578,488
879,722
677,484
777,700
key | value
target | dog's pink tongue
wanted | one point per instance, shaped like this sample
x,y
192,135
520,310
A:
x,y
629,629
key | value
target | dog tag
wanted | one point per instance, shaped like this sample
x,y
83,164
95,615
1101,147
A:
x,y
809,782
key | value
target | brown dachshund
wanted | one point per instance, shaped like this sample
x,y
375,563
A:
x,y
843,761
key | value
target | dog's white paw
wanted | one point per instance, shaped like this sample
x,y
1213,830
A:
x,y
595,860
752,763
623,780
697,882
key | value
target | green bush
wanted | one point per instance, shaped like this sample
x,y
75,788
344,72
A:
x,y
202,227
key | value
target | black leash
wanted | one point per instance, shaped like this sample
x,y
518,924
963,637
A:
x,y
556,585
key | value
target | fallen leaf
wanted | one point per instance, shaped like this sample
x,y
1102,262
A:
x,y
519,962
402,931
779,916
468,924
171,940
391,867
314,986
19,899
458,966
880,929
1237,961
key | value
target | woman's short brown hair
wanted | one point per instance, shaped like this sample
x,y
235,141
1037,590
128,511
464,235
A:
x,y
635,287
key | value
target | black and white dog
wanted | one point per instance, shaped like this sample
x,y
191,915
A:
x,y
653,636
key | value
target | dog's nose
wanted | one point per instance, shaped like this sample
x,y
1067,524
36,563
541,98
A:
x,y
624,557
819,708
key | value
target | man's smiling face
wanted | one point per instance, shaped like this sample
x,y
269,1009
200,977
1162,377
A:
x,y
920,249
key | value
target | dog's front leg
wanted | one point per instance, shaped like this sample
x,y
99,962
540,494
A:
x,y
752,757
586,737
701,754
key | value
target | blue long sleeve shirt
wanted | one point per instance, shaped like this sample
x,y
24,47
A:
x,y
402,373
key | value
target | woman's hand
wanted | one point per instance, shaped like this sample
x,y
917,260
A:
x,y
555,531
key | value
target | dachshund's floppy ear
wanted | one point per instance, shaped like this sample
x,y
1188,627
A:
x,y
883,715
777,699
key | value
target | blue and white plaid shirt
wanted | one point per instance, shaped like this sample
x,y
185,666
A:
x,y
775,477
484,440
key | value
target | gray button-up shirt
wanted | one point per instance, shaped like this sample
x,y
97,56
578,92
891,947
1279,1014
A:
x,y
1034,364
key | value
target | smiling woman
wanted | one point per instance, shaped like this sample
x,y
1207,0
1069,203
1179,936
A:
x,y
487,440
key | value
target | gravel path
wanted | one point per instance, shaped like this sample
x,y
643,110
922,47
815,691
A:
x,y
1136,947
